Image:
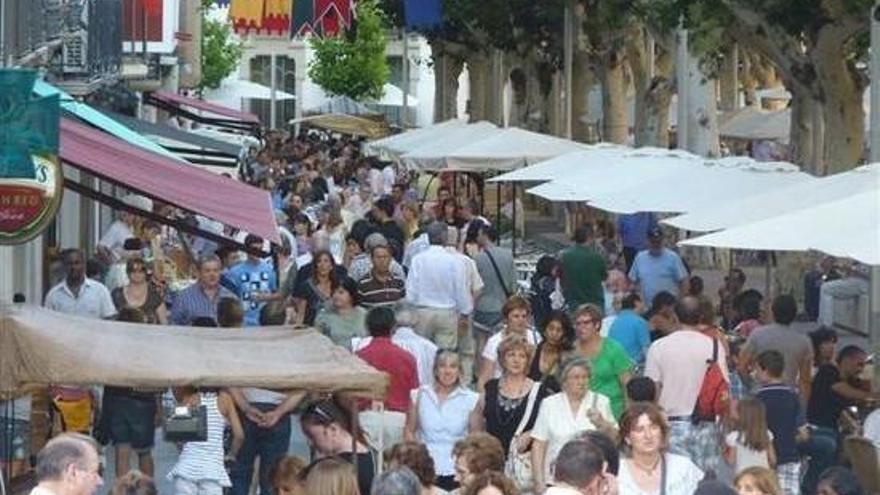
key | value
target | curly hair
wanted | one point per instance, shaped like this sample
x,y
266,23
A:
x,y
492,478
481,452
415,456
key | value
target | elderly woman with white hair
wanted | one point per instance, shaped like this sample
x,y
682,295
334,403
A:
x,y
440,413
562,416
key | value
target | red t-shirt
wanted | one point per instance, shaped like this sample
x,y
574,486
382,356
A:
x,y
400,365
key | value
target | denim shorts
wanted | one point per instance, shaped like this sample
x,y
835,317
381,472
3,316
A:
x,y
132,421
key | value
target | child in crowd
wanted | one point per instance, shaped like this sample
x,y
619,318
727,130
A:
x,y
757,480
750,443
785,418
286,476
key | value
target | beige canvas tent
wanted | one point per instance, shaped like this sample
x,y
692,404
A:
x,y
39,346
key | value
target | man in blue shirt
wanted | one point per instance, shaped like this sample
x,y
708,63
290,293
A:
x,y
658,269
630,329
633,230
254,281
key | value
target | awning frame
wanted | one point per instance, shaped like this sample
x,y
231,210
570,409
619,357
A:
x,y
229,123
118,204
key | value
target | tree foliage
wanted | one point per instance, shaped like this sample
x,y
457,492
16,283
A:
x,y
353,64
220,51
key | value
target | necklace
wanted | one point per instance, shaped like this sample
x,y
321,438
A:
x,y
647,470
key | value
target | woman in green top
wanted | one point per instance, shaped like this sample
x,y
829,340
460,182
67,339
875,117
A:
x,y
612,366
344,319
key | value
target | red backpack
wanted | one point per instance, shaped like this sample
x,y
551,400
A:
x,y
713,400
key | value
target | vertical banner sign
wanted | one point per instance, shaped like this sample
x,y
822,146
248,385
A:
x,y
30,172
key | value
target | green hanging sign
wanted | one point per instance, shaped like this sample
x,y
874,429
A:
x,y
31,180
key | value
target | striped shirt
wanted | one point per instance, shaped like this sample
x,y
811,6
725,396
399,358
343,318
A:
x,y
192,303
374,292
203,461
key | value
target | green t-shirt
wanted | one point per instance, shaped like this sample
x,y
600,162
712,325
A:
x,y
583,271
611,362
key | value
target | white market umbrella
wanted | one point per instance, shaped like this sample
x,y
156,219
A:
x,y
578,165
398,144
723,215
431,156
392,96
848,227
711,182
232,91
509,149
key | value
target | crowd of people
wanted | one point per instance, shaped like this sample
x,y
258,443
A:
x,y
614,372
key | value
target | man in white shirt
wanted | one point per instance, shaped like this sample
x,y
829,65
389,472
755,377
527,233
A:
x,y
677,363
438,287
78,295
423,350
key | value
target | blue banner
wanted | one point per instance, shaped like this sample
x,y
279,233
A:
x,y
423,14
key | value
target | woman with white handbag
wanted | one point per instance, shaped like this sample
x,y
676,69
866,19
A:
x,y
562,416
509,405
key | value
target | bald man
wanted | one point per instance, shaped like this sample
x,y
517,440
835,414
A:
x,y
68,465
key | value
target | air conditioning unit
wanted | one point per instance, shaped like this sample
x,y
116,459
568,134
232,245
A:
x,y
74,51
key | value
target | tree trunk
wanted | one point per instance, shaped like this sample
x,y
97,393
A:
x,y
729,81
447,67
702,111
478,73
495,88
615,125
844,112
519,97
749,81
653,94
801,130
583,82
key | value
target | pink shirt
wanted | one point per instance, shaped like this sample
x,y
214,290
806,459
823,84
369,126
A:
x,y
677,363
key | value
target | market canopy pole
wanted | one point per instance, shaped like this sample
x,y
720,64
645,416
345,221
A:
x,y
874,284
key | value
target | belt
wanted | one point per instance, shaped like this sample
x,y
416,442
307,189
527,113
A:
x,y
687,418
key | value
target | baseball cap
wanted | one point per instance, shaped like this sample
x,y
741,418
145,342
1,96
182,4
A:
x,y
655,233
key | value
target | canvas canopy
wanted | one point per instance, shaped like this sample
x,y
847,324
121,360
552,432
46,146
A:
x,y
674,184
431,155
728,214
578,165
392,147
751,124
343,105
353,125
40,346
848,227
232,91
509,149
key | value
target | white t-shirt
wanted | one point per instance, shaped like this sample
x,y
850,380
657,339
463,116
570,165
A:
x,y
678,363
871,429
556,425
490,351
115,237
746,457
682,477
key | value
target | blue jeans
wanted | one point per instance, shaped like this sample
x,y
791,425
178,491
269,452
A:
x,y
269,444
822,450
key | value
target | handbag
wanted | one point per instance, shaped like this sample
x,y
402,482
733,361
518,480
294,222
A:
x,y
187,424
518,466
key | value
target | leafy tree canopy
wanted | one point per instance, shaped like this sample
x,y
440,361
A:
x,y
353,64
220,51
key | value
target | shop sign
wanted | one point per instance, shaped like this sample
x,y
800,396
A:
x,y
31,180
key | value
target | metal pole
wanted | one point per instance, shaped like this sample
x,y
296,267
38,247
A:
x,y
651,49
568,61
273,112
3,45
513,239
874,286
405,85
144,33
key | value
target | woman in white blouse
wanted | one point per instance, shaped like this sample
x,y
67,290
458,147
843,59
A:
x,y
565,414
645,435
439,416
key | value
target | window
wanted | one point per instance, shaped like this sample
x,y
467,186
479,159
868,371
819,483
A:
x,y
285,80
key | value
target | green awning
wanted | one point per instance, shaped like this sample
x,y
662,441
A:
x,y
101,121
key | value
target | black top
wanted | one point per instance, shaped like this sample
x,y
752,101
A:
x,y
549,380
784,417
366,470
503,415
825,405
152,303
